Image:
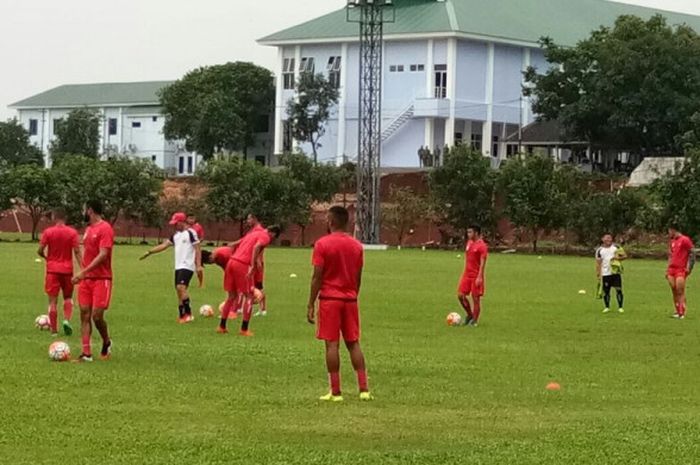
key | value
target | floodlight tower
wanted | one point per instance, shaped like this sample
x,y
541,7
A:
x,y
371,15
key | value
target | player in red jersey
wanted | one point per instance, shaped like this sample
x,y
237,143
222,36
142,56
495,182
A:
x,y
196,227
338,261
95,291
59,244
681,260
240,270
472,282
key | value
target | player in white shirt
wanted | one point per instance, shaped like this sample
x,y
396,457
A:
x,y
609,259
188,261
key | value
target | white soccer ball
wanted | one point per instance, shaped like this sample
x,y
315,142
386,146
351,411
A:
x,y
59,351
206,311
454,319
42,322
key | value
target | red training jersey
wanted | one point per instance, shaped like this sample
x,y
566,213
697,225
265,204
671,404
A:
x,y
341,258
222,255
199,230
98,236
679,252
475,252
61,240
244,251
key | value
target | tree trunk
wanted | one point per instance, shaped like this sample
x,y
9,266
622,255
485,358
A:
x,y
303,234
35,225
240,228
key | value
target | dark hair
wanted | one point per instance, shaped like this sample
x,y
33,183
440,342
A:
x,y
253,215
94,205
59,214
206,257
674,225
275,231
609,234
476,228
339,216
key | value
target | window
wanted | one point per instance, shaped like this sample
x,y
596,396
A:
x,y
495,147
421,67
155,119
154,158
136,124
417,68
33,127
334,65
399,68
307,65
288,73
459,138
392,68
440,81
396,69
260,160
287,137
511,150
112,127
476,142
190,165
181,165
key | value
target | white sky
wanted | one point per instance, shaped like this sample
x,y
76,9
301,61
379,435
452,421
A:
x,y
46,43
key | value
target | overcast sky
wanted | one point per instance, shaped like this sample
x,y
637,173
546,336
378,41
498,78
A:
x,y
46,43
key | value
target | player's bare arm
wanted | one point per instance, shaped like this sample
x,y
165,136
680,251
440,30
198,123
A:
x,y
482,268
42,251
78,256
101,257
234,244
598,267
165,245
359,280
691,261
254,263
316,281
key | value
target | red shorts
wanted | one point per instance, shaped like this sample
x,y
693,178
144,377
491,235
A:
x,y
55,283
336,317
236,278
259,276
467,286
95,293
676,273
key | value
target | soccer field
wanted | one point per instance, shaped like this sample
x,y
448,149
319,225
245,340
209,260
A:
x,y
183,394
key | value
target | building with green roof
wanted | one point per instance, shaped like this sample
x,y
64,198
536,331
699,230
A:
x,y
452,70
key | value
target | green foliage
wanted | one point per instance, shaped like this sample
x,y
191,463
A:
x,y
677,196
218,108
405,211
634,86
15,148
463,190
77,134
538,193
597,213
34,190
309,111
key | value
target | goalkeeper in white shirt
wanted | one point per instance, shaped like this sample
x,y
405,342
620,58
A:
x,y
609,258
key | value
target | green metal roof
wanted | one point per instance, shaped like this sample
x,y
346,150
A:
x,y
566,21
106,94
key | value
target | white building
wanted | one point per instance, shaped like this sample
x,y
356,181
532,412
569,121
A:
x,y
132,123
452,70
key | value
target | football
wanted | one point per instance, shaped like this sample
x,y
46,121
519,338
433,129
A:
x,y
454,319
206,311
59,351
42,322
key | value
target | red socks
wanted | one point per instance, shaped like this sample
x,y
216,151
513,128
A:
x,y
362,380
68,309
53,318
334,379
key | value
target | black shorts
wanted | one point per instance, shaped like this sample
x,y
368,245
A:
x,y
614,280
259,285
183,277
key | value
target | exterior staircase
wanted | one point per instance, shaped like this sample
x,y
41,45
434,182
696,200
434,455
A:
x,y
397,123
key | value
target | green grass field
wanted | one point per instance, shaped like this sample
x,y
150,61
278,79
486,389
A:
x,y
185,395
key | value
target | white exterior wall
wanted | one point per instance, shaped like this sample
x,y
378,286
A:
x,y
473,99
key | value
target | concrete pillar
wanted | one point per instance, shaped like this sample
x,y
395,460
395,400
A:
x,y
297,62
487,134
502,146
525,101
451,91
430,70
467,133
279,104
429,140
342,105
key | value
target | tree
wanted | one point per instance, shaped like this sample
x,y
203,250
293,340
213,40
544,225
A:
x,y
676,197
310,110
77,134
15,148
131,189
34,190
218,108
537,193
597,213
463,190
317,183
404,211
79,179
634,86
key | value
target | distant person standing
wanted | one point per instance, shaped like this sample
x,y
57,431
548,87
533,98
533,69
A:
x,y
188,260
609,258
59,245
196,227
338,261
681,260
95,291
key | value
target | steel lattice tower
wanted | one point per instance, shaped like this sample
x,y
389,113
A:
x,y
371,15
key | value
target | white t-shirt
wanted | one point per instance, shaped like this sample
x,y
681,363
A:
x,y
606,255
185,252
